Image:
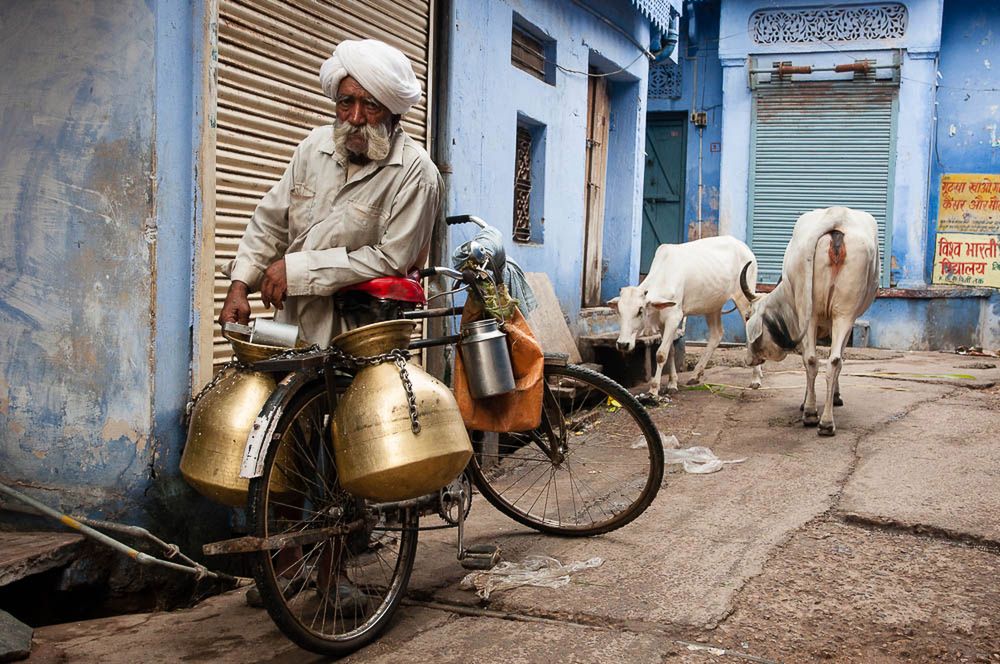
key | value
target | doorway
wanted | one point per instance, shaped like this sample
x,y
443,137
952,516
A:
x,y
663,184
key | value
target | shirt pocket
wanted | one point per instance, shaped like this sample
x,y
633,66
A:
x,y
300,209
362,225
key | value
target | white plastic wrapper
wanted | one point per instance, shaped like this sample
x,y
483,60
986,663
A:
x,y
696,460
541,571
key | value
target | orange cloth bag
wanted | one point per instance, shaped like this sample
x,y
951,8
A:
x,y
520,410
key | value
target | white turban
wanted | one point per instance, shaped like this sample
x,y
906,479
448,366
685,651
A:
x,y
380,69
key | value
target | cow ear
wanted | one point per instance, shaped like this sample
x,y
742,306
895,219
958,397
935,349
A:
x,y
613,303
661,303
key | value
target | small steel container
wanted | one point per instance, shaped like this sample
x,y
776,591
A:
x,y
486,359
267,332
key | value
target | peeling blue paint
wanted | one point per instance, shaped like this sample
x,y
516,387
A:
x,y
77,117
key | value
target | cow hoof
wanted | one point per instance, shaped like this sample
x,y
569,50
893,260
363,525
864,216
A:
x,y
755,385
672,389
826,429
693,381
837,401
810,419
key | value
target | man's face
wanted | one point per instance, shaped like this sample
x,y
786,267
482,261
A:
x,y
359,114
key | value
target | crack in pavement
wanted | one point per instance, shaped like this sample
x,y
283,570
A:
x,y
937,533
583,620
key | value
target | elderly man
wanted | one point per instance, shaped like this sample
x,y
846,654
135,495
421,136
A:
x,y
358,200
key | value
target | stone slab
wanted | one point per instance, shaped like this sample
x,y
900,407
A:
x,y
15,638
912,472
547,321
25,553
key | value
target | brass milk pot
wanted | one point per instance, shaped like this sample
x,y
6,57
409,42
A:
x,y
220,423
378,455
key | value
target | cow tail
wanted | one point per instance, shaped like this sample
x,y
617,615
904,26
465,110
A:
x,y
804,298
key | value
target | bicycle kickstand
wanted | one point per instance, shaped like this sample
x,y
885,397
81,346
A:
x,y
477,556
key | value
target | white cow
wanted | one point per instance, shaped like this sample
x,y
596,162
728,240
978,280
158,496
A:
x,y
693,278
828,278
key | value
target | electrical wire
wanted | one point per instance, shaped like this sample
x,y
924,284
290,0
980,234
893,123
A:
x,y
602,74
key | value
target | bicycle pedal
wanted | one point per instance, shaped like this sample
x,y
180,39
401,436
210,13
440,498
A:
x,y
481,557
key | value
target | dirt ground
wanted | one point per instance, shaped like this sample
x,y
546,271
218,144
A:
x,y
881,544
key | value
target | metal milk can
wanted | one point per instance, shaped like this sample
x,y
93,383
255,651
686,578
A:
x,y
378,455
220,423
486,359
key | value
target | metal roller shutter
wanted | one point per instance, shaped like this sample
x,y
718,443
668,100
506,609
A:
x,y
814,145
268,98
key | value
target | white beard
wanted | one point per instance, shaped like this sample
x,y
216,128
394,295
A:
x,y
376,139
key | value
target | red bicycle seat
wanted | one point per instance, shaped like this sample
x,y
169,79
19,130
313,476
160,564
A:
x,y
400,289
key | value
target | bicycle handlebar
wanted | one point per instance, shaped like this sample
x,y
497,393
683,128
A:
x,y
440,270
464,219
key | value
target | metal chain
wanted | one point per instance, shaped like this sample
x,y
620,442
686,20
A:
x,y
189,406
239,365
397,356
411,399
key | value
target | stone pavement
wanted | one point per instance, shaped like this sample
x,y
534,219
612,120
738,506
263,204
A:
x,y
881,544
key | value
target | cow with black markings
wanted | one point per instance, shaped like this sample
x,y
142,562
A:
x,y
829,277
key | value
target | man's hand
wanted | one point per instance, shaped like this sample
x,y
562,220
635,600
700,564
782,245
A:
x,y
274,287
236,308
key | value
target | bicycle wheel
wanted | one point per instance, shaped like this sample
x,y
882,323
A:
x,y
335,569
594,464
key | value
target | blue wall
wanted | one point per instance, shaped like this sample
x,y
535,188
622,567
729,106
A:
x,y
966,136
95,250
485,94
701,90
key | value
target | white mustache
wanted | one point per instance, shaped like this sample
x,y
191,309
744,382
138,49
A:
x,y
376,139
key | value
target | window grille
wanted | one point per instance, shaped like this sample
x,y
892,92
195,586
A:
x,y
665,81
522,186
527,53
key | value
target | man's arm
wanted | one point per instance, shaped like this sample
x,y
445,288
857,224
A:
x,y
264,241
402,246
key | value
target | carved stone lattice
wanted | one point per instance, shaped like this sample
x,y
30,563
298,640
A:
x,y
832,24
665,81
522,186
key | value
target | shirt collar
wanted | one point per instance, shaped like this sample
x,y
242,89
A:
x,y
394,158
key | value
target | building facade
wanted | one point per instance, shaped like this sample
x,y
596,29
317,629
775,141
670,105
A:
x,y
870,105
551,151
139,136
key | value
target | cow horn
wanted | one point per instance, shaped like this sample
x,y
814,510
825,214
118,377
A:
x,y
750,295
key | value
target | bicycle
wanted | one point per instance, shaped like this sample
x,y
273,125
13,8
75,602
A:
x,y
332,568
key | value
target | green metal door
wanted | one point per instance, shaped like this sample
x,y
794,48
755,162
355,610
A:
x,y
663,188
816,145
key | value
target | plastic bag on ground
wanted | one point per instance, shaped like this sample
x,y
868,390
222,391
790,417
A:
x,y
540,571
695,460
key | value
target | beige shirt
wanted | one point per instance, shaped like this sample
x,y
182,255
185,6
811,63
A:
x,y
334,230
